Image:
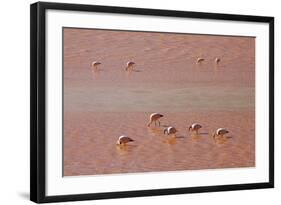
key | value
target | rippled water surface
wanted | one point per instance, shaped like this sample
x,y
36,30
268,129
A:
x,y
100,106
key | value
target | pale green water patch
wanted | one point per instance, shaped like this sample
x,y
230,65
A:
x,y
157,99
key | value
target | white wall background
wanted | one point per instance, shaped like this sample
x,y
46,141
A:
x,y
14,100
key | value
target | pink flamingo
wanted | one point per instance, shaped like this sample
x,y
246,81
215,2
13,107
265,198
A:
x,y
95,65
130,65
220,132
153,118
194,127
123,140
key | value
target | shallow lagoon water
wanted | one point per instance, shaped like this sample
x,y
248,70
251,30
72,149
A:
x,y
101,106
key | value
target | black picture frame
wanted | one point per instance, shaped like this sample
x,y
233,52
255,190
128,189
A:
x,y
38,101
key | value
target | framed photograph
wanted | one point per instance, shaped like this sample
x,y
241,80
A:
x,y
129,102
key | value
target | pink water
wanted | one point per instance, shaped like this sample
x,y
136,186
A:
x,y
101,106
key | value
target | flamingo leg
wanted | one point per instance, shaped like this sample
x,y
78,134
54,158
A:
x,y
214,136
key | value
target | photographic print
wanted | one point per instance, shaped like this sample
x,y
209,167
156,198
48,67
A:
x,y
132,102
137,101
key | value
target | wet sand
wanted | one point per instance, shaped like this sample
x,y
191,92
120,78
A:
x,y
101,106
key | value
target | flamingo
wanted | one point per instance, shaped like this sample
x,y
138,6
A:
x,y
130,65
217,60
195,127
123,140
199,60
170,130
220,132
154,117
95,65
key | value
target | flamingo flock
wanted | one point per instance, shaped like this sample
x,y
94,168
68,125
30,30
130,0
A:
x,y
201,60
130,64
170,130
155,117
